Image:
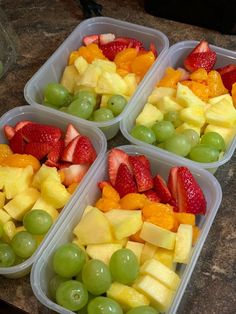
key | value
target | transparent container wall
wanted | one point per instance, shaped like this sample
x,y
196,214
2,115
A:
x,y
41,116
42,270
173,58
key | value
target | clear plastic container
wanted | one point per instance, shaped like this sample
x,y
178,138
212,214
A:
x,y
173,58
42,270
42,116
52,70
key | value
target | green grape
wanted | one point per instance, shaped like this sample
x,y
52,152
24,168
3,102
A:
x,y
68,260
56,95
7,255
96,277
213,139
178,144
72,295
54,283
102,114
145,309
163,130
84,309
116,104
19,260
204,153
86,94
81,108
174,117
192,136
143,133
124,266
37,222
104,305
23,244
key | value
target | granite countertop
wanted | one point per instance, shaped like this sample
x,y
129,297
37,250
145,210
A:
x,y
40,27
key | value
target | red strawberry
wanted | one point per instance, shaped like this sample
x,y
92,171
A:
x,y
106,38
190,196
21,124
17,143
112,48
71,133
130,42
74,173
9,131
115,158
124,183
142,174
90,39
152,196
50,163
64,164
161,189
84,151
172,182
101,184
38,150
68,152
35,132
228,75
200,57
56,151
145,161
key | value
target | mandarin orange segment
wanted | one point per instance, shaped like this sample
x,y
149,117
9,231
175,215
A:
x,y
171,78
216,86
133,201
73,56
95,51
166,221
124,58
196,233
141,64
109,192
72,187
233,93
61,175
185,218
156,209
176,225
21,161
199,89
5,151
106,204
89,53
122,72
136,237
199,75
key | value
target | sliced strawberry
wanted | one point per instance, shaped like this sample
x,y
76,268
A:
x,y
172,182
184,74
130,42
112,48
101,184
124,182
56,151
64,164
74,173
161,189
38,150
40,133
200,57
153,49
190,196
142,174
50,163
9,131
17,143
115,158
145,161
68,151
87,40
84,151
228,75
152,196
71,133
106,38
21,124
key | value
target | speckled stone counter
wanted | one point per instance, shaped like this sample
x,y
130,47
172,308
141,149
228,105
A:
x,y
41,26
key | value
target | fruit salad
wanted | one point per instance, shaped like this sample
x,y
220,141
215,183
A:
x,y
128,245
191,111
40,168
100,77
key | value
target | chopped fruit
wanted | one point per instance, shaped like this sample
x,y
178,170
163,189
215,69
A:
x,y
38,150
228,75
215,84
142,63
71,133
156,209
101,184
133,201
124,182
21,161
153,49
109,192
172,182
40,133
200,75
74,173
103,251
148,252
106,38
233,93
136,237
199,89
170,79
9,131
17,143
56,151
142,174
136,248
185,218
112,48
165,257
43,174
152,196
202,56
149,115
183,244
161,189
124,58
166,221
90,39
21,124
196,233
4,217
72,187
5,151
106,204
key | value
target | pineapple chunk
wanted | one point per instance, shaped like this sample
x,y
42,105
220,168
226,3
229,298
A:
x,y
69,78
160,92
126,296
159,295
165,257
136,248
111,83
186,98
81,65
148,252
81,246
187,126
131,82
160,272
167,103
227,133
149,115
158,236
90,76
122,242
44,173
2,199
104,100
103,251
214,100
93,221
9,229
193,115
183,243
42,204
105,65
87,209
22,203
20,228
4,217
124,222
54,193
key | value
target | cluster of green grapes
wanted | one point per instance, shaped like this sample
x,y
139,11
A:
x,y
24,243
188,143
81,285
83,104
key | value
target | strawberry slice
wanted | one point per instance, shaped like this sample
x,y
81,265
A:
x,y
50,163
71,133
172,182
38,150
190,196
40,133
115,158
161,189
152,196
200,57
74,173
106,38
228,75
112,48
56,151
21,124
124,182
17,143
142,174
87,40
131,42
84,151
145,161
9,131
68,151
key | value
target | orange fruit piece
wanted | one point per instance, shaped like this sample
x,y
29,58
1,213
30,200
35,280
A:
x,y
73,56
109,192
215,84
176,225
141,64
166,221
72,187
196,233
124,58
136,237
89,53
122,72
156,209
185,218
171,78
106,204
21,161
200,75
199,89
133,201
233,93
5,151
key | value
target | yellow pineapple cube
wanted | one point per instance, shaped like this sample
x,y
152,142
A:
x,y
167,103
160,92
42,204
131,82
4,217
148,252
186,98
81,65
165,257
9,229
149,115
105,65
183,245
187,126
136,248
193,115
104,100
102,251
215,100
54,193
90,76
111,83
122,242
2,199
69,77
44,173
